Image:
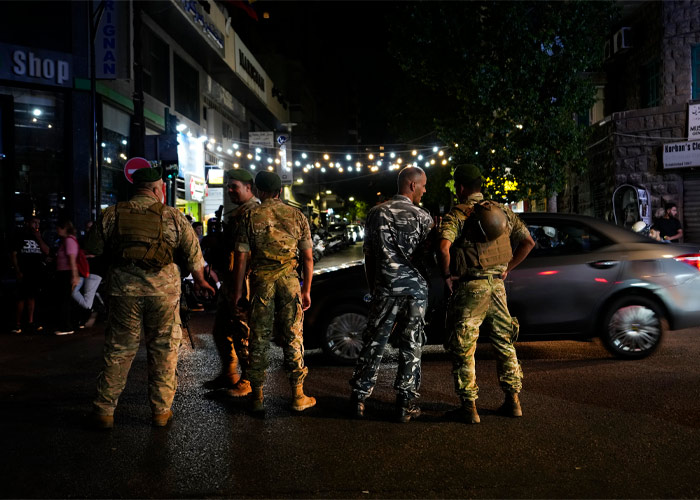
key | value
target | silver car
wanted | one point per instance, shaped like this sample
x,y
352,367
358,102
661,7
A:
x,y
584,278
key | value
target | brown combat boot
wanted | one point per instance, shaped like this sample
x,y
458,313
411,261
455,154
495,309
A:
x,y
162,419
242,388
256,400
98,421
469,413
511,406
301,401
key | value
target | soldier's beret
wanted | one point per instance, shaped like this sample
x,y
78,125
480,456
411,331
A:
x,y
466,173
147,174
237,174
269,182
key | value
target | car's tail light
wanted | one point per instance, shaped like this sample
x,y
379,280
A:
x,y
692,259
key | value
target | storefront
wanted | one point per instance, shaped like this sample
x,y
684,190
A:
x,y
35,167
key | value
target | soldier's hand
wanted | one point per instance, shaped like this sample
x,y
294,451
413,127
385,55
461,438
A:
x,y
203,285
448,283
305,301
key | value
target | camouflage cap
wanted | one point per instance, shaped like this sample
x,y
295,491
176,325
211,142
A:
x,y
466,173
269,182
237,174
147,174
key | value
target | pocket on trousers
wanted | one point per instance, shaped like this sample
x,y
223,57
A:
x,y
516,329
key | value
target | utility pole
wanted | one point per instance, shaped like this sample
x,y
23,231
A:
x,y
95,195
138,125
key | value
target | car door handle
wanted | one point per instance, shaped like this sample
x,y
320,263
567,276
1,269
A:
x,y
603,264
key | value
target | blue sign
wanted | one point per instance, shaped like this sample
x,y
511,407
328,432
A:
x,y
39,66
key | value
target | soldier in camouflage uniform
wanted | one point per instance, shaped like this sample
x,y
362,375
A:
x,y
271,235
231,330
394,231
476,254
140,238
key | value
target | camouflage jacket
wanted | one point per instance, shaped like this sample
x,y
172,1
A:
x,y
452,227
132,280
393,232
272,232
235,222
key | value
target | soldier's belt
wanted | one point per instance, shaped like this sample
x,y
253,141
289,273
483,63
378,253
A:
x,y
474,278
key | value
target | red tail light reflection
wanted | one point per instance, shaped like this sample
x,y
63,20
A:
x,y
601,280
692,259
547,273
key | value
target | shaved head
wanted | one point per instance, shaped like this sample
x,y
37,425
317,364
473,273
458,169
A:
x,y
412,182
409,175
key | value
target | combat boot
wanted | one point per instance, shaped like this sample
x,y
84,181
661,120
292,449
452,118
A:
x,y
468,412
301,401
256,400
98,421
242,388
511,406
162,419
406,409
357,406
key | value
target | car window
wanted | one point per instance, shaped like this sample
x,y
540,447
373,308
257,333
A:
x,y
565,238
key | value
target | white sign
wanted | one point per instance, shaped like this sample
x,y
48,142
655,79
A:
x,y
681,154
261,139
194,188
283,170
693,121
213,200
190,155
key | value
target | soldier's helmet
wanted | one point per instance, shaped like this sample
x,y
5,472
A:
x,y
491,222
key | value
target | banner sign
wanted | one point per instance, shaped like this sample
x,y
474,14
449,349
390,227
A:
x,y
693,122
681,154
261,139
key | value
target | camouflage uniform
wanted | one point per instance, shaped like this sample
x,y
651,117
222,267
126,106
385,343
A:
x,y
393,232
480,297
143,298
231,330
272,232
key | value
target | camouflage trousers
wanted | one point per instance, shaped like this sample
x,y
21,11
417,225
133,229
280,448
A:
x,y
160,319
405,315
275,305
231,333
482,304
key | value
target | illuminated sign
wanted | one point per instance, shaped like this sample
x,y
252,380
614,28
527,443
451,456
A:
x,y
202,21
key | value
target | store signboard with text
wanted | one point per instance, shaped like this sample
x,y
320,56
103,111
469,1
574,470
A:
x,y
681,154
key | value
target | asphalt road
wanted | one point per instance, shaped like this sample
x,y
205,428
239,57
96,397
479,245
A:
x,y
594,427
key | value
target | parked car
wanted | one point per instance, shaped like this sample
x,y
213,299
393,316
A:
x,y
357,232
584,278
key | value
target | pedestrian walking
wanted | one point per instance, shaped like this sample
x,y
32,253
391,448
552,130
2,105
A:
x,y
85,292
231,331
67,278
275,237
142,238
393,233
480,243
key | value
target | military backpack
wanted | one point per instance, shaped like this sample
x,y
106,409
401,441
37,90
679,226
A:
x,y
473,249
139,236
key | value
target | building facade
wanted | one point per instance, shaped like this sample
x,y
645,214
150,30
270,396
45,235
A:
x,y
651,81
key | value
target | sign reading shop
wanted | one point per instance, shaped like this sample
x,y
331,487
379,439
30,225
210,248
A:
x,y
39,66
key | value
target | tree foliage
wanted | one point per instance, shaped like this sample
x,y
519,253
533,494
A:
x,y
504,82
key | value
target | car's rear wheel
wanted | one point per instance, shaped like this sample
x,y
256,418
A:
x,y
633,327
342,334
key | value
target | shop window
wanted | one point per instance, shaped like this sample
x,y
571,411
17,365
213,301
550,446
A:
x,y
38,174
695,68
156,67
114,147
651,85
186,79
